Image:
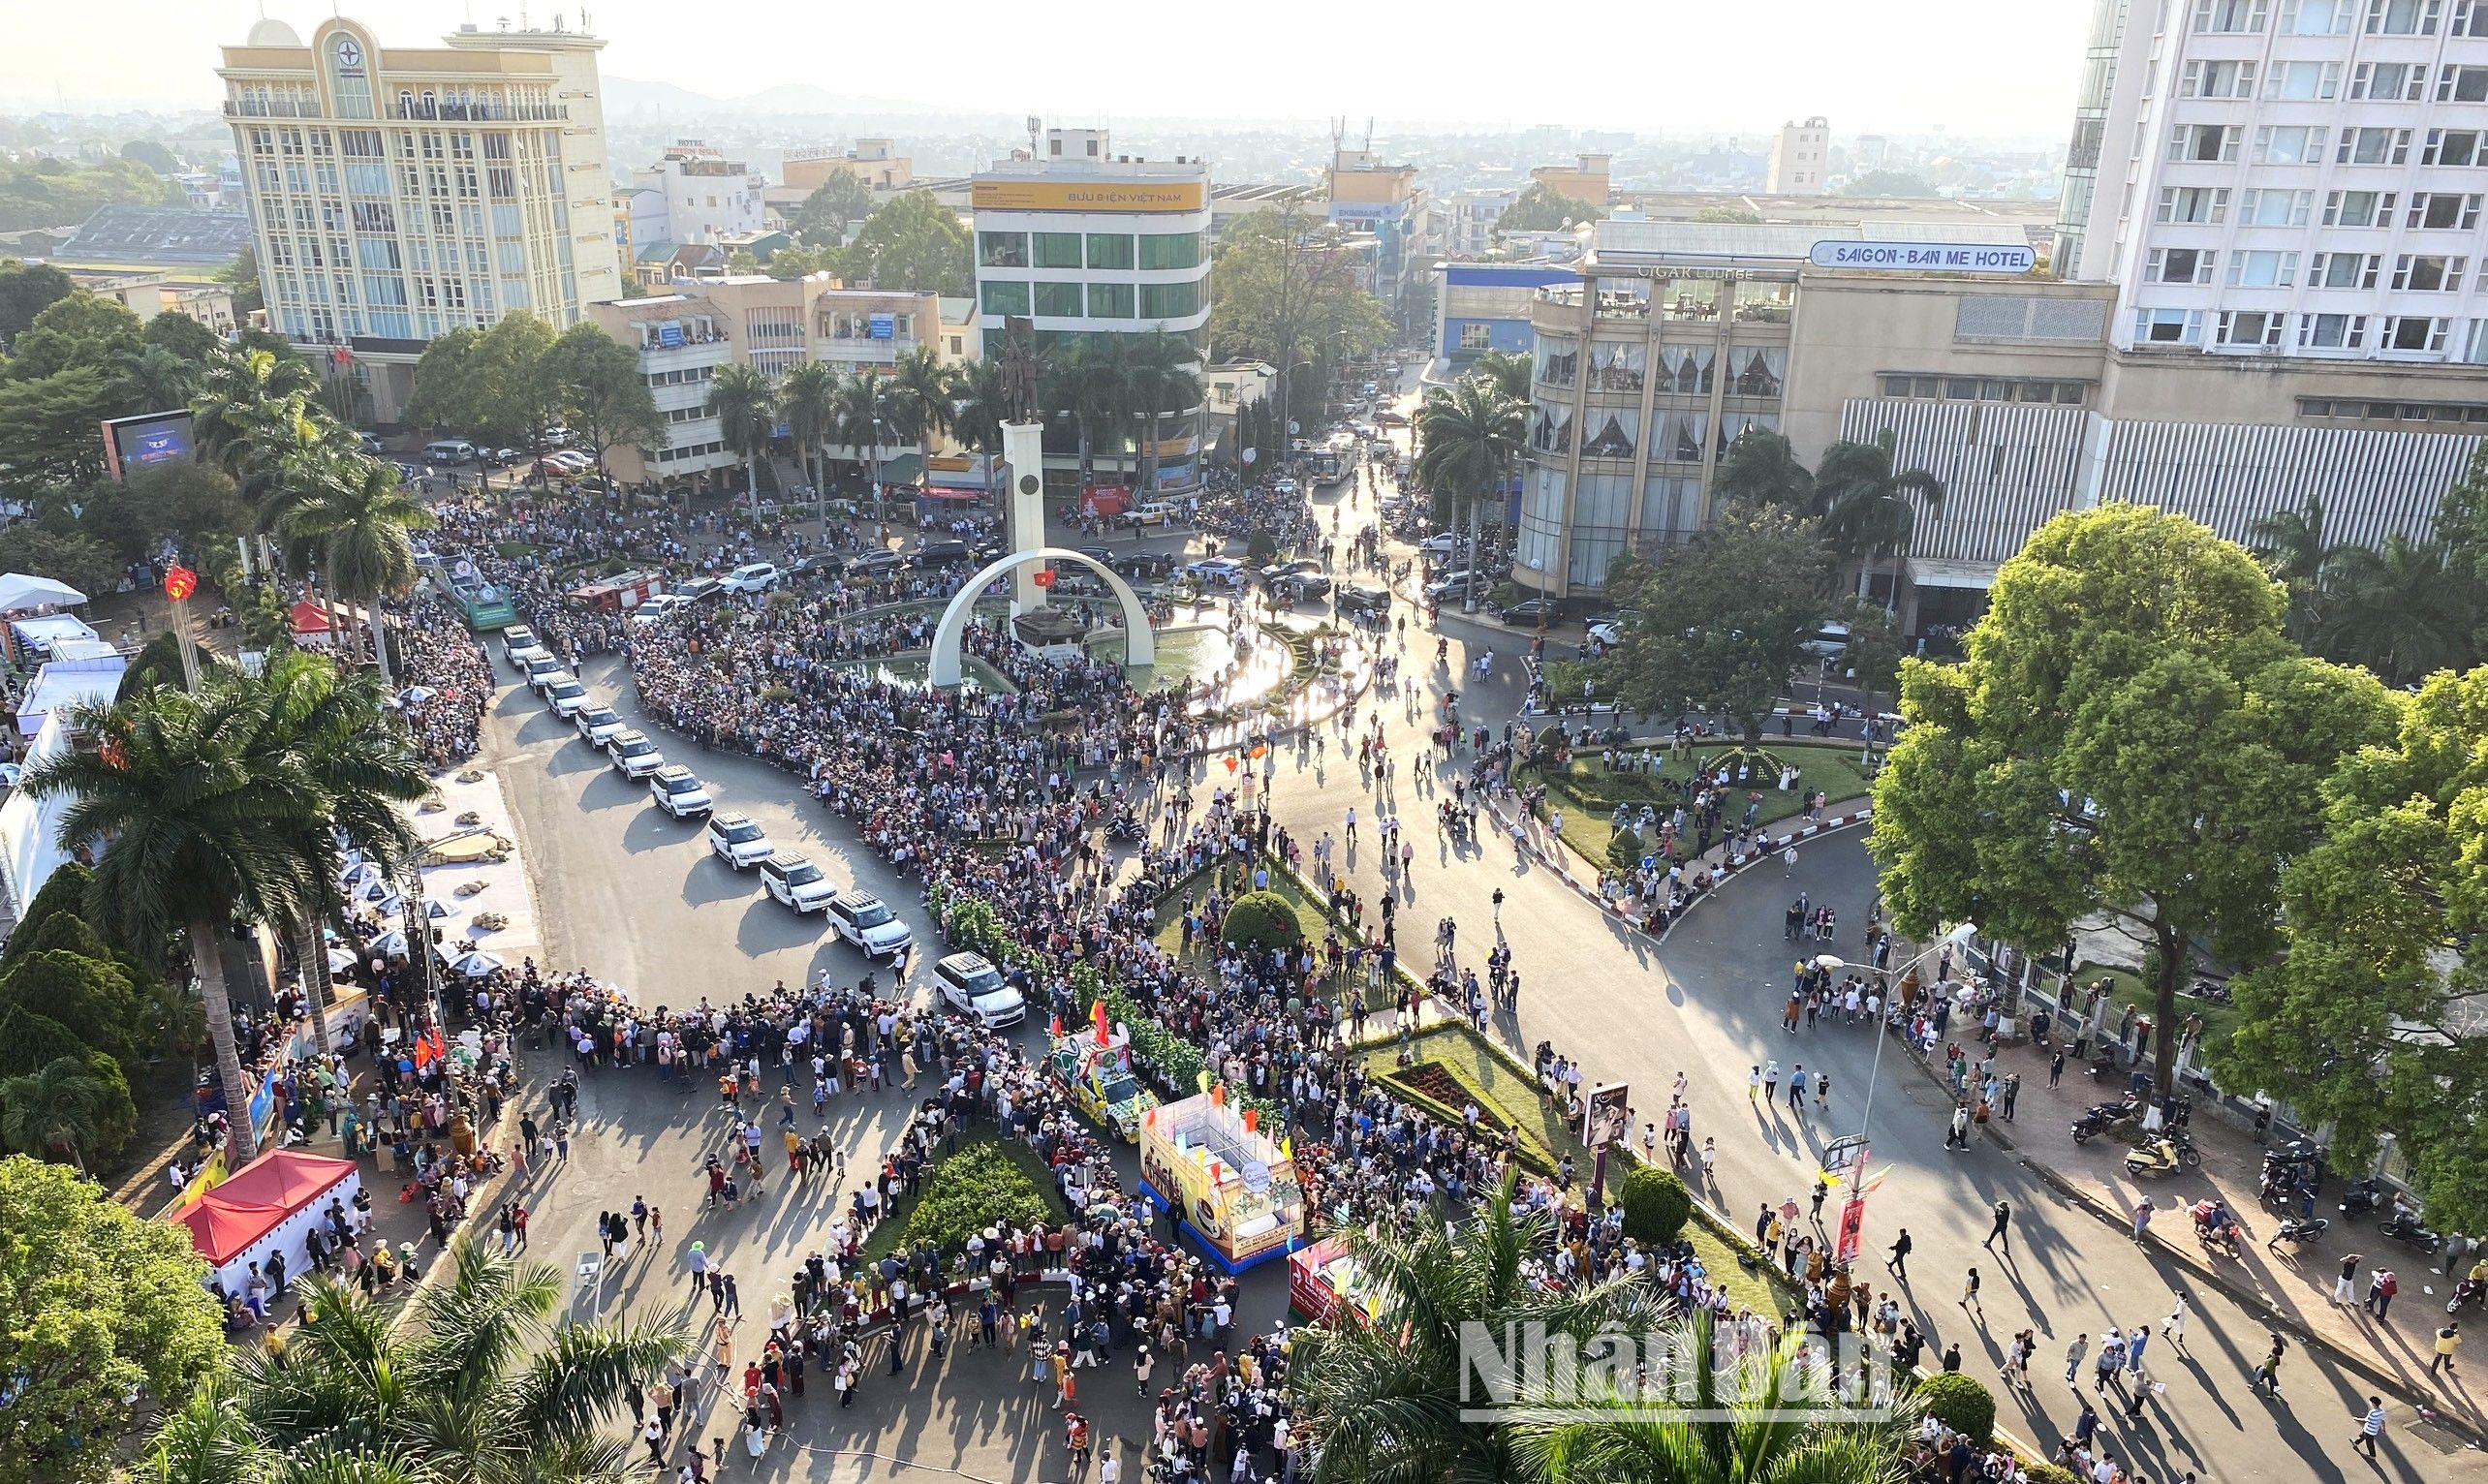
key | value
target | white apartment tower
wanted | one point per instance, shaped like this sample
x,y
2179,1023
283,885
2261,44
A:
x,y
708,198
1800,158
2298,178
397,193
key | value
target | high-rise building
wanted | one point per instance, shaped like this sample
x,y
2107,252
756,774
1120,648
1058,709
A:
x,y
708,196
399,193
2090,129
1800,157
1091,245
1369,196
2297,178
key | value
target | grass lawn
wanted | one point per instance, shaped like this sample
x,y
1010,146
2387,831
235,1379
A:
x,y
2125,987
1504,1091
1588,794
885,1238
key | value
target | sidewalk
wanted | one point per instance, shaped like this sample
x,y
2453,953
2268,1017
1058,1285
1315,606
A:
x,y
2294,1287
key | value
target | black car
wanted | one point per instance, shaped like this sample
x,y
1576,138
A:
x,y
879,560
943,554
1532,611
821,564
1361,597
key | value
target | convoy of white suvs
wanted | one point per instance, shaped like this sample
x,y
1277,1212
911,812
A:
x,y
856,915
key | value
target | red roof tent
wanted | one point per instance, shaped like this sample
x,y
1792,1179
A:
x,y
309,618
226,1221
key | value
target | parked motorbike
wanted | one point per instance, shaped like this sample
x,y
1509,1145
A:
x,y
2165,1155
2299,1230
2217,991
2404,1228
2467,1294
2096,1119
2361,1196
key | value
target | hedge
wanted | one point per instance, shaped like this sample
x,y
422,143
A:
x,y
1656,1205
1960,1403
1260,919
977,1187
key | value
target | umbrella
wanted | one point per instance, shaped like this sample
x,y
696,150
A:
x,y
376,889
391,905
342,959
415,692
435,911
19,591
388,945
475,966
359,876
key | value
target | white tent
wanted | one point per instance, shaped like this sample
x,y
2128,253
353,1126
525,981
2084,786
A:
x,y
19,591
475,966
391,945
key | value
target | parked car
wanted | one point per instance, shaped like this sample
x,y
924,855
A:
x,y
969,983
633,754
798,882
1271,573
1454,585
1532,611
738,842
1216,572
1439,544
862,919
658,605
1362,598
751,577
680,792
1609,632
699,589
877,563
450,450
1296,587
1829,642
943,553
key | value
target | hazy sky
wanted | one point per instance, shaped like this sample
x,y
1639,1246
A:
x,y
1975,66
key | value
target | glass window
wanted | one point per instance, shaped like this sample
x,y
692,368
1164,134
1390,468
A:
x,y
1109,250
1171,250
1110,301
1003,249
1058,250
1059,301
1005,297
1169,302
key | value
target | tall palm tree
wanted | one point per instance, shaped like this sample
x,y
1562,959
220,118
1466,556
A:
x,y
52,1109
1762,469
1866,505
360,517
1508,370
808,396
1725,1427
2399,611
1160,377
2291,545
863,413
920,389
979,405
1471,437
239,393
745,405
1073,388
1388,1399
336,722
480,1387
197,823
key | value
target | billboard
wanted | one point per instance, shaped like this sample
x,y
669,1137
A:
x,y
147,439
1089,196
1925,257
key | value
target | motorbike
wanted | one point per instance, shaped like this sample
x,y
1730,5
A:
x,y
2362,1196
1124,829
2096,1120
2299,1229
2404,1228
2215,991
2467,1294
2165,1155
2216,1228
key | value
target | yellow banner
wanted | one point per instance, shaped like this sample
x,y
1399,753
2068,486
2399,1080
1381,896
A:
x,y
1089,196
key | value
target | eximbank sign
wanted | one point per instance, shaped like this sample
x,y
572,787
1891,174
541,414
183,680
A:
x,y
1089,196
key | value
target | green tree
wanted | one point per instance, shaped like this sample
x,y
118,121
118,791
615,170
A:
x,y
1716,622
152,154
2403,611
187,503
1085,383
919,397
358,518
745,405
478,1386
2130,736
980,408
103,1304
199,825
1508,370
1869,508
1286,290
1470,437
193,343
912,241
1544,208
53,192
1740,216
1961,1403
85,331
27,290
447,381
1159,379
1655,1204
81,985
1761,469
863,418
518,397
808,400
49,439
241,279
600,393
2291,545
835,205
77,559
73,1107
2366,1022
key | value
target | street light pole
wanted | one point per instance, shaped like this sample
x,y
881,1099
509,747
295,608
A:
x,y
1853,1215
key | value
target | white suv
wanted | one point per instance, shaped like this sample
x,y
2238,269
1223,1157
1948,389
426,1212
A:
x,y
862,919
798,882
567,696
970,984
751,577
633,754
678,793
737,840
519,644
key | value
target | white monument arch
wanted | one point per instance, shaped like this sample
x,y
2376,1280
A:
x,y
1140,644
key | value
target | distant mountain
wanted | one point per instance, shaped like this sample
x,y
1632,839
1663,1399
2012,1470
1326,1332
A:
x,y
625,97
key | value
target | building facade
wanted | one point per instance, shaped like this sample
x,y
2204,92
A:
x,y
1368,195
876,163
398,193
707,196
1585,179
1800,159
1486,306
1088,243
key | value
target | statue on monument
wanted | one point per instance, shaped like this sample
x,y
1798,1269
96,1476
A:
x,y
1021,366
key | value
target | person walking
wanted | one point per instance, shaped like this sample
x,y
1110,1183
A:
x,y
2174,1328
2141,1219
2345,1284
2003,1227
2267,1376
2073,1354
2134,1343
1970,1293
2381,1286
2371,1426
1899,1260
2449,1339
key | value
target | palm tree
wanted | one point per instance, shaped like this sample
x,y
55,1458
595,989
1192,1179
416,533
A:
x,y
1762,469
2291,545
336,722
1159,378
1073,388
195,824
1470,437
1386,1398
1508,370
920,389
1865,503
360,517
744,403
861,418
976,418
1724,1426
52,1109
240,393
480,1387
2399,611
808,395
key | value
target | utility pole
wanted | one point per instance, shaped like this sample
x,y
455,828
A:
x,y
179,582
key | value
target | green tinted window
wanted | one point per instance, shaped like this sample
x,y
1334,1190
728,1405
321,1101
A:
x,y
1110,301
1003,296
1109,250
1177,250
1003,249
1169,302
1058,249
1060,301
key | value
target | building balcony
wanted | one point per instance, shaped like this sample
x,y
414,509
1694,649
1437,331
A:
x,y
480,111
264,108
